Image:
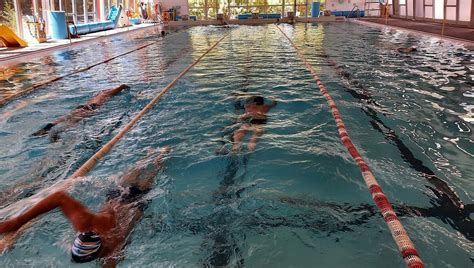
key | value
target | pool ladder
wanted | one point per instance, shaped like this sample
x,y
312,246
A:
x,y
353,11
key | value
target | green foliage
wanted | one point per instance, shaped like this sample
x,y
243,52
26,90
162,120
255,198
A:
x,y
8,15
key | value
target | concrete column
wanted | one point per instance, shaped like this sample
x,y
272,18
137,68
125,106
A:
x,y
283,8
19,23
414,9
74,12
84,7
35,7
102,10
396,7
472,13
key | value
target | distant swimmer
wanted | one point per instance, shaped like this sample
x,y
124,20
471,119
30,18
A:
x,y
253,119
82,111
407,49
103,234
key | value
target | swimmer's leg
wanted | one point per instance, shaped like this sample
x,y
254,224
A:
x,y
257,132
44,130
239,135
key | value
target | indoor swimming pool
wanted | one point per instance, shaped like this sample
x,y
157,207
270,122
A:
x,y
298,200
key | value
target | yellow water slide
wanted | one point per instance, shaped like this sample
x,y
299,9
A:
x,y
9,38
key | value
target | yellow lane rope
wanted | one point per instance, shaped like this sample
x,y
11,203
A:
x,y
40,84
9,239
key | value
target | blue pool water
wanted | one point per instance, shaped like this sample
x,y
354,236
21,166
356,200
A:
x,y
298,200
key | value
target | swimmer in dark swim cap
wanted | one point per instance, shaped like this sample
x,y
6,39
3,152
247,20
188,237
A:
x,y
102,234
81,111
254,118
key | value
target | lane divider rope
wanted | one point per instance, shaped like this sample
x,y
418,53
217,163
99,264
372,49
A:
x,y
9,239
40,84
405,245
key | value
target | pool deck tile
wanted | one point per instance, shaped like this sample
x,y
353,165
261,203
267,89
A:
x,y
10,56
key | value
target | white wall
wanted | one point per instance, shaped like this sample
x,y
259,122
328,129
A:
x,y
346,5
184,10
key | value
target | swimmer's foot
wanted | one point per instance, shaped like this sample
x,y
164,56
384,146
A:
x,y
251,146
44,130
235,148
222,150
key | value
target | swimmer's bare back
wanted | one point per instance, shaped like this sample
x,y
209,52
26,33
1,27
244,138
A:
x,y
257,111
115,220
82,111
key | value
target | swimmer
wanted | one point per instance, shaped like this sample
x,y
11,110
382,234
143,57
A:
x,y
406,49
253,119
82,111
103,234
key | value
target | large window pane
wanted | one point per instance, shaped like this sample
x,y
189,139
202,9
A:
x,y
7,15
90,10
403,11
213,8
439,9
465,10
196,3
80,11
429,12
198,12
450,13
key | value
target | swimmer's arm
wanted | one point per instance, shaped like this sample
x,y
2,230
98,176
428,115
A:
x,y
244,116
80,217
102,96
45,130
131,177
115,254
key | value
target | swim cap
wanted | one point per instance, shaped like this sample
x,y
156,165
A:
x,y
86,247
258,100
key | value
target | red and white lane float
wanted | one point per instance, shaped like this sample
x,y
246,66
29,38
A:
x,y
406,247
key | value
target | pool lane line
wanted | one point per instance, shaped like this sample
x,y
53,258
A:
x,y
443,189
40,84
9,239
399,234
9,194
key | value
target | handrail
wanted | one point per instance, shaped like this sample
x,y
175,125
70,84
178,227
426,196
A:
x,y
353,10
